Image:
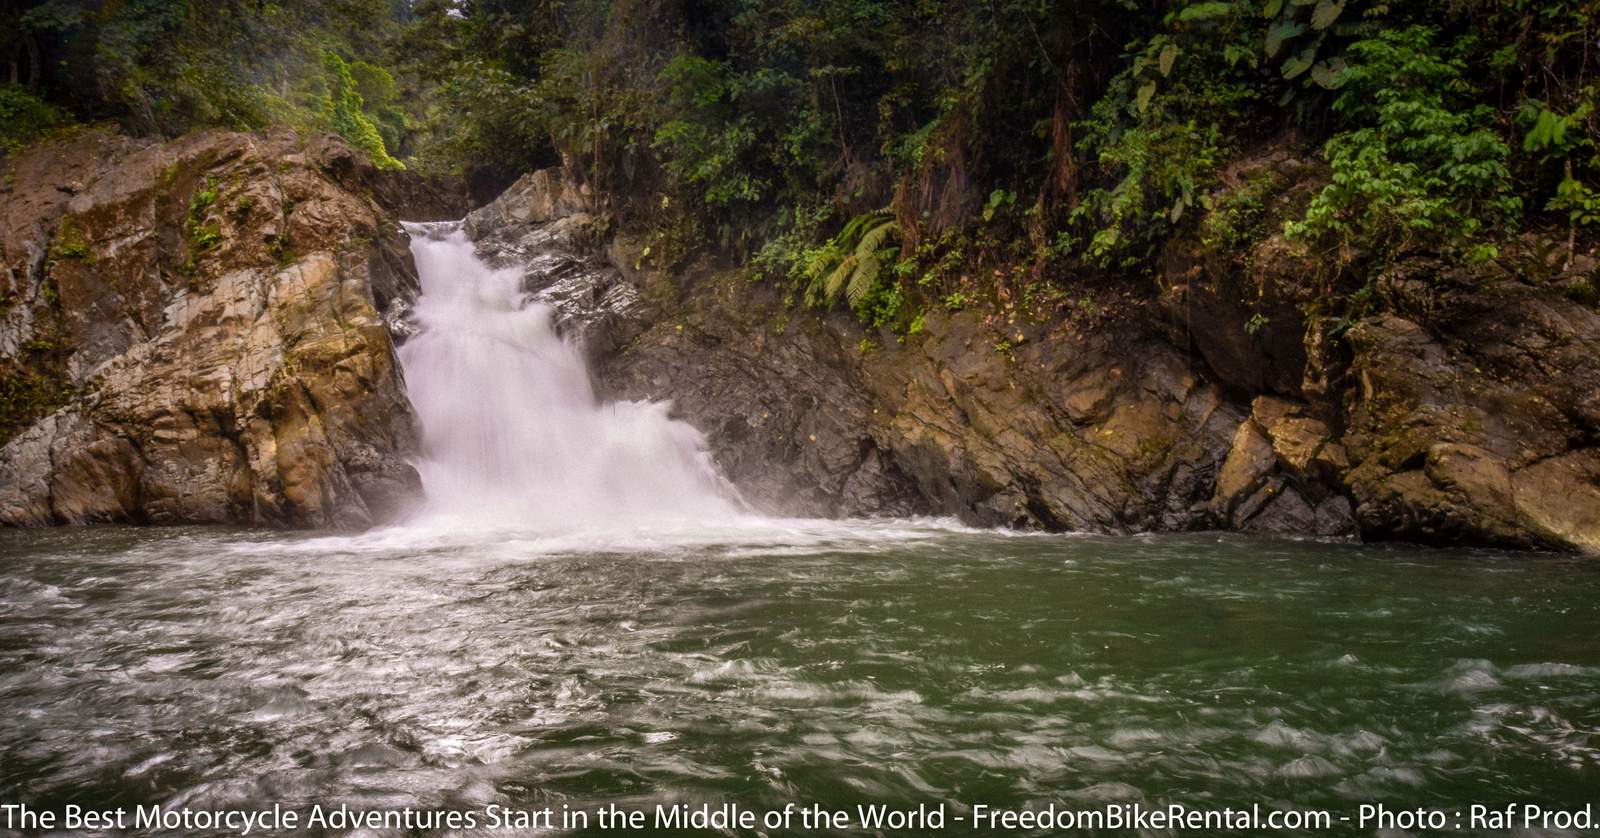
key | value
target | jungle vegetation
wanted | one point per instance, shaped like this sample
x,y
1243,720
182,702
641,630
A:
x,y
888,155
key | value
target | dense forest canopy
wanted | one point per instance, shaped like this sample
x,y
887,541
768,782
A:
x,y
876,152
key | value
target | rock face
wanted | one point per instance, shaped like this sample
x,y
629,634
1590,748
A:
x,y
203,330
1465,414
1475,410
1461,408
207,317
1281,474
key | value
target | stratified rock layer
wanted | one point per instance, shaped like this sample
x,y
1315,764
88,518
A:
x,y
209,316
1475,411
203,331
1459,404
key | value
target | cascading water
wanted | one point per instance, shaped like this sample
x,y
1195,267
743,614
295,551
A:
x,y
512,433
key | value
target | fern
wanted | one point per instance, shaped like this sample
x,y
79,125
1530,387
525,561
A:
x,y
852,261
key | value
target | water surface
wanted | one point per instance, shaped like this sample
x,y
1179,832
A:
x,y
892,662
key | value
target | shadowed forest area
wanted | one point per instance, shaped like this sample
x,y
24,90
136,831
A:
x,y
889,156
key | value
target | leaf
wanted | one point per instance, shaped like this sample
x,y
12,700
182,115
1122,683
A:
x,y
1282,31
1205,11
1549,130
1235,54
1168,56
862,280
1326,13
1147,91
1272,8
836,280
872,240
1297,65
1329,74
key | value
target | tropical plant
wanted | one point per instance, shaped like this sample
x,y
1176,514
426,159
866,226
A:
x,y
342,109
852,262
23,116
1417,167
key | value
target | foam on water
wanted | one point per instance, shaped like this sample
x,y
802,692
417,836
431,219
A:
x,y
892,659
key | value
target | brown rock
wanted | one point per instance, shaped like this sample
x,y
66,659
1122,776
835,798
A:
x,y
222,300
1470,422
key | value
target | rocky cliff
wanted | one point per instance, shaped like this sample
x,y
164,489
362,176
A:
x,y
1459,407
203,330
195,331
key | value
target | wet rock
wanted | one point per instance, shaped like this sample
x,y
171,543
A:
x,y
542,227
1426,410
547,195
789,420
1461,412
225,301
1237,291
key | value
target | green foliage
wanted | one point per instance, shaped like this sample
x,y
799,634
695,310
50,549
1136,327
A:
x,y
1419,168
26,395
69,243
1236,221
483,113
1580,201
1063,137
1166,124
342,110
1562,137
282,250
23,117
851,264
33,383
380,101
706,145
202,234
78,250
168,66
1307,39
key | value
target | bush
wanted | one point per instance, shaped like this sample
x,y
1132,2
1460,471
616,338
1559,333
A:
x,y
342,110
1415,169
23,117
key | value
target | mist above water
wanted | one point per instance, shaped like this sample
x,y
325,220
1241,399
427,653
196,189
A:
x,y
512,432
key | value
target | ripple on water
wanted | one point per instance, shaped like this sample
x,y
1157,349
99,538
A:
x,y
904,660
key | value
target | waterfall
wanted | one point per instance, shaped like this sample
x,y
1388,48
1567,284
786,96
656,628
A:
x,y
512,432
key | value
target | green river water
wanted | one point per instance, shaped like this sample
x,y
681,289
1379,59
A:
x,y
902,663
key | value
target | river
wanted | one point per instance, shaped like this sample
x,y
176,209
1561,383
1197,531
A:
x,y
889,662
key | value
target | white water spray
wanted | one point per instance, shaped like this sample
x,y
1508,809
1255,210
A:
x,y
512,433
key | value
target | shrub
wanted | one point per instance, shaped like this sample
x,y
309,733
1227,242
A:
x,y
1415,169
23,116
343,114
